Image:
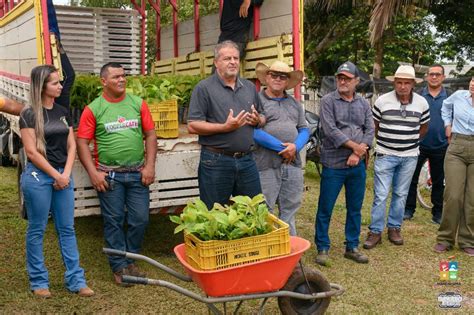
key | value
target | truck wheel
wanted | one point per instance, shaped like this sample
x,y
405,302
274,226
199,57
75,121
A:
x,y
297,283
20,167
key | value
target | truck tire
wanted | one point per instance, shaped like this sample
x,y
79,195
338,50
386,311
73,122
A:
x,y
297,283
20,167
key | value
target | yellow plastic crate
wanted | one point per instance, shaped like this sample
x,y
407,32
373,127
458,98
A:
x,y
165,117
213,255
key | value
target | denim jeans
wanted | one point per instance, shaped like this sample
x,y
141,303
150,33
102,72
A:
x,y
125,190
221,176
436,160
332,180
391,172
40,198
283,186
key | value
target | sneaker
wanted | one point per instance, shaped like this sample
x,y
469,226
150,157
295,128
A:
x,y
408,215
118,277
356,256
42,293
436,220
322,258
372,240
441,248
469,251
85,292
395,236
134,271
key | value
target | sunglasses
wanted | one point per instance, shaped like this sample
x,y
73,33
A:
x,y
275,76
403,111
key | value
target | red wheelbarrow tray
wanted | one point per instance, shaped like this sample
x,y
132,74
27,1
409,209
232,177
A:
x,y
262,276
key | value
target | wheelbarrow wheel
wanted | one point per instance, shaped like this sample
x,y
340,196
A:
x,y
297,283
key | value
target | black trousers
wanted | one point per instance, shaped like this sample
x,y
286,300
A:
x,y
436,160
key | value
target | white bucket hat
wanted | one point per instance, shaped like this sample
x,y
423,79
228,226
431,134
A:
x,y
295,76
404,72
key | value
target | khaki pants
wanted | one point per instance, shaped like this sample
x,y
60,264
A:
x,y
458,204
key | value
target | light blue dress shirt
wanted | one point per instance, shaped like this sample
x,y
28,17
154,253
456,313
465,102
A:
x,y
458,112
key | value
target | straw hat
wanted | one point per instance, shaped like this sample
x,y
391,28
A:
x,y
295,76
404,72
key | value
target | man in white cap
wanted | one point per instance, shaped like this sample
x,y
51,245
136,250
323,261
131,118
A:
x,y
348,128
401,119
280,140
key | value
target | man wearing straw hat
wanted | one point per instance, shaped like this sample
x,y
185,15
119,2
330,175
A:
x,y
280,140
401,119
348,126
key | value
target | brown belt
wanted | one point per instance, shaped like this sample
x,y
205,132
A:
x,y
234,154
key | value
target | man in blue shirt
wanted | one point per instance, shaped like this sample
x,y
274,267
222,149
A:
x,y
432,147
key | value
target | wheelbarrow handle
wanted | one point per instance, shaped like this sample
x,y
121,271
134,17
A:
x,y
114,252
134,280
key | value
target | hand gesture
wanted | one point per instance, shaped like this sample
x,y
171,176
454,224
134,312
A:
x,y
253,118
148,175
98,181
232,123
353,160
244,9
289,153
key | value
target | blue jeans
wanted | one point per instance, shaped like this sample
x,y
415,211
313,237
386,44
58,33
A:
x,y
283,186
332,180
40,198
221,176
391,172
125,190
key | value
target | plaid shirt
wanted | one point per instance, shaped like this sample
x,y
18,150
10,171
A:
x,y
342,121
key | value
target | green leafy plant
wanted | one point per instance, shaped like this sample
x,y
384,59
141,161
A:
x,y
244,217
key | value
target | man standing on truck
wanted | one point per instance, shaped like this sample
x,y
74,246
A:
x,y
226,166
236,18
124,167
280,140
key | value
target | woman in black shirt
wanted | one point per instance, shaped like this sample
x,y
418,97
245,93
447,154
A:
x,y
46,182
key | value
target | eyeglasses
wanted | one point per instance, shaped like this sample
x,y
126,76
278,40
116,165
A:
x,y
435,74
275,76
403,111
344,79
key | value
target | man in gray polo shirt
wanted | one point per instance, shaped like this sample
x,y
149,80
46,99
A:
x,y
224,110
280,140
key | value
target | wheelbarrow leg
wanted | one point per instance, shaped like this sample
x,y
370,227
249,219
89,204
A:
x,y
262,306
213,309
238,307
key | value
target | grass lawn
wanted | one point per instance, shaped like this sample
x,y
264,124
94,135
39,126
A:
x,y
398,279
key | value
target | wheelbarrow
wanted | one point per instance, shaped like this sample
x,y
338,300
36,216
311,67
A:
x,y
299,290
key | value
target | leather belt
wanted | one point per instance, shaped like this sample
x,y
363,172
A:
x,y
234,154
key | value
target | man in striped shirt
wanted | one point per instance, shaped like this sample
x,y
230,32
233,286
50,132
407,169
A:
x,y
401,118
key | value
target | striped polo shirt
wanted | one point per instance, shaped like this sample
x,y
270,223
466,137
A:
x,y
399,127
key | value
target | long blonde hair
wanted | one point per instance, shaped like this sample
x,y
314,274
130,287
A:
x,y
39,78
